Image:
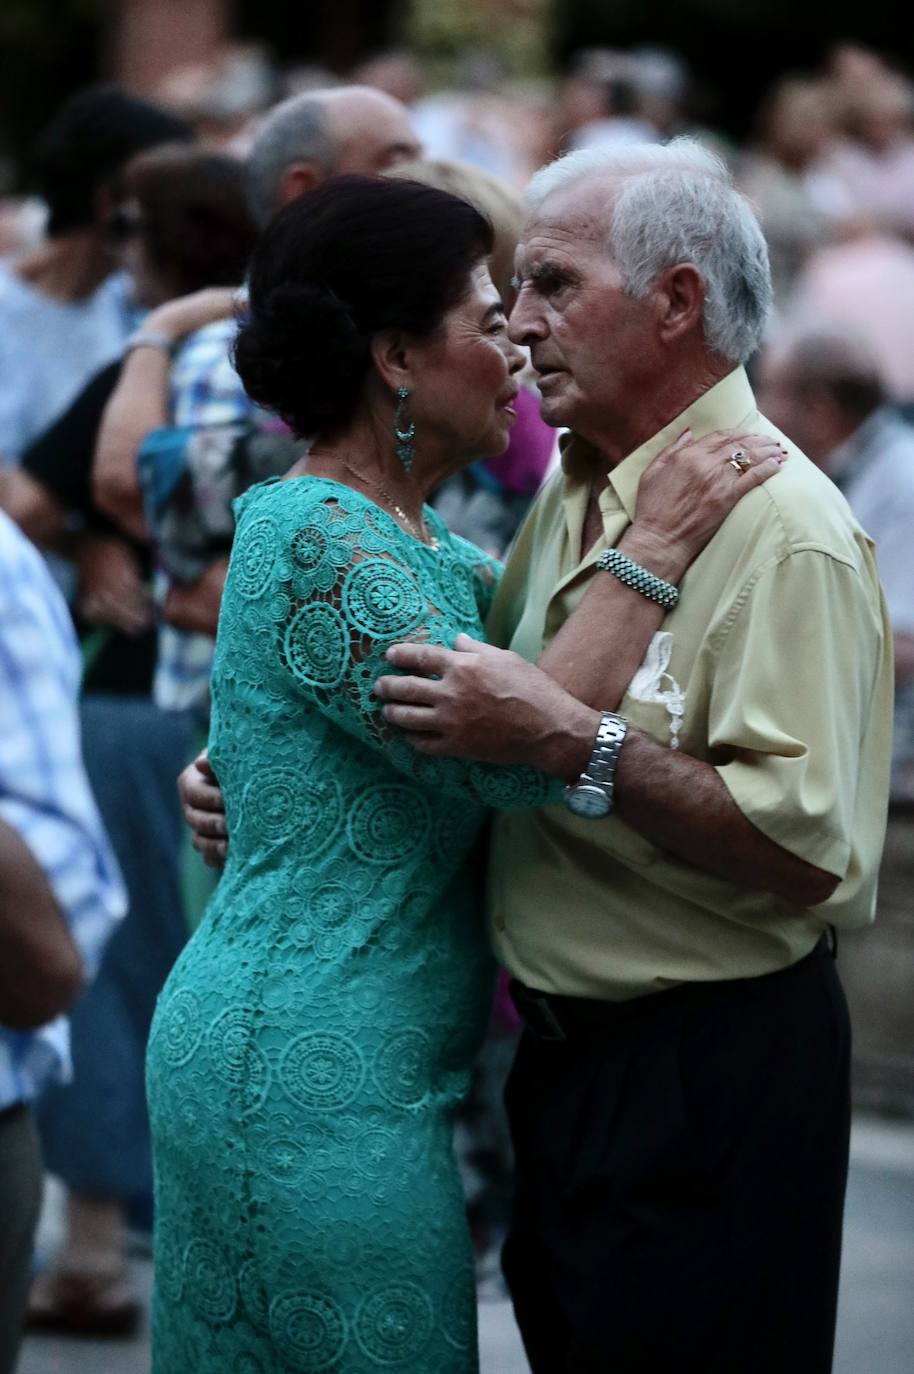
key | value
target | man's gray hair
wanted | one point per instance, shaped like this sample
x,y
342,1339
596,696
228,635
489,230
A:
x,y
678,204
296,131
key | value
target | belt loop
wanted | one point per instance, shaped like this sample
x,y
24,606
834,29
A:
x,y
831,941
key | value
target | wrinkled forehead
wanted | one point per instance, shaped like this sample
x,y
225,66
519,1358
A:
x,y
579,212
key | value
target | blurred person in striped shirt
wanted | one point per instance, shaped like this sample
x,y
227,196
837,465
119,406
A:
x,y
61,893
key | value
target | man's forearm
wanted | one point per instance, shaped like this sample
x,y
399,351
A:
x,y
682,805
139,404
40,967
481,703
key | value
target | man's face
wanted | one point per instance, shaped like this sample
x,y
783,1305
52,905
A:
x,y
594,347
371,132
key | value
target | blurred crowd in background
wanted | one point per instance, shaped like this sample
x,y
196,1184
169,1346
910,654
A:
x,y
120,461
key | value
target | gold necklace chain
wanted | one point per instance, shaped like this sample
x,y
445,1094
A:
x,y
422,534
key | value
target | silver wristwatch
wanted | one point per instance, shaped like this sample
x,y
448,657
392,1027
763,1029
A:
x,y
592,795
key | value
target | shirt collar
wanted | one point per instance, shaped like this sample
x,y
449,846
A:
x,y
729,404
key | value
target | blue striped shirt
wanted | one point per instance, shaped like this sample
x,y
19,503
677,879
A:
x,y
206,392
44,791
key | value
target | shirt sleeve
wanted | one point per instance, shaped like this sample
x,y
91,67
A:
x,y
205,388
44,791
801,663
15,385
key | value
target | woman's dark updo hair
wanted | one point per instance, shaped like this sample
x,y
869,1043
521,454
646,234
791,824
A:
x,y
338,265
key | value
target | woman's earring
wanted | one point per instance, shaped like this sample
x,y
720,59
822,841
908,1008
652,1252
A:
x,y
404,430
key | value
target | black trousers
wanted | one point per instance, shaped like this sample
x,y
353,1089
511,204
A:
x,y
680,1181
20,1199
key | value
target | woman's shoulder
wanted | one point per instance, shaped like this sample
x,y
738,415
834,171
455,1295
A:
x,y
287,498
298,511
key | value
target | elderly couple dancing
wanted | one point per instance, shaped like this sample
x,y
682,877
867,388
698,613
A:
x,y
672,706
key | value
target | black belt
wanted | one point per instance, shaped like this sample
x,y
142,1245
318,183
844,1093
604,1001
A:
x,y
549,1016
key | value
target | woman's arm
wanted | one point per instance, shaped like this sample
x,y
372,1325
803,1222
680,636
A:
x,y
331,625
683,499
140,403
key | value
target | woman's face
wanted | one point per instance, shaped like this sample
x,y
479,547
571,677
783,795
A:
x,y
463,384
151,285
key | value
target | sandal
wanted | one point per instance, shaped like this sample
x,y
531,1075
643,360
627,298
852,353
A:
x,y
83,1304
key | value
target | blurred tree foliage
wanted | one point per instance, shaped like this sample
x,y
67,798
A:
x,y
516,33
735,49
48,48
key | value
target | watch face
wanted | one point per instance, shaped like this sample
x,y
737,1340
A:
x,y
589,802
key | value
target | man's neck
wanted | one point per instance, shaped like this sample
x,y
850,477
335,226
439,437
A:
x,y
68,268
646,415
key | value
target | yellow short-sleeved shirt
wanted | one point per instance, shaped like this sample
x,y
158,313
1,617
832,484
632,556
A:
x,y
775,667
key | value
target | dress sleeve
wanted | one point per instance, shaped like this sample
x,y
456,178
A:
x,y
344,586
787,728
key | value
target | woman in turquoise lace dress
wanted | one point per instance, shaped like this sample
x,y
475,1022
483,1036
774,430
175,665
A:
x,y
316,1036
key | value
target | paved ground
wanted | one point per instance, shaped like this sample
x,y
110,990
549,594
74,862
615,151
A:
x,y
876,1318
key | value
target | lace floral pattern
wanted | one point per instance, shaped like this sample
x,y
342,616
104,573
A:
x,y
313,1041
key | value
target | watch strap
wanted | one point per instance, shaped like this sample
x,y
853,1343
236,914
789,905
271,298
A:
x,y
600,771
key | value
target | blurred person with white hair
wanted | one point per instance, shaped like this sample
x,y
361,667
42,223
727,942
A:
x,y
61,893
824,386
680,1100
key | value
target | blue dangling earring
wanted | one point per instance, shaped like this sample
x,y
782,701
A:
x,y
404,430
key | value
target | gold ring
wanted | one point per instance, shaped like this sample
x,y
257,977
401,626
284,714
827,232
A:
x,y
740,460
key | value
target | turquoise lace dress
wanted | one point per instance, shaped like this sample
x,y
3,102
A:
x,y
314,1039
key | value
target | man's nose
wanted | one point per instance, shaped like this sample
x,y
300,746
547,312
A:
x,y
525,324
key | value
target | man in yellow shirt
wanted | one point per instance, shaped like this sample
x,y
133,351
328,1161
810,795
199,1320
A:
x,y
680,1100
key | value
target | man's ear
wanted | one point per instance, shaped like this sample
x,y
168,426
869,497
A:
x,y
296,179
681,301
391,354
